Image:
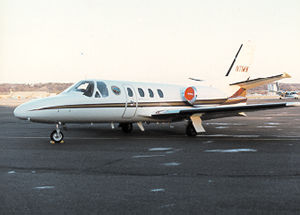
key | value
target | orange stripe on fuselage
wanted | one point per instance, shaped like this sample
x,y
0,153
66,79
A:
x,y
240,93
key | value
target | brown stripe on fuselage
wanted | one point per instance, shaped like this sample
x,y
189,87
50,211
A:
x,y
145,104
180,103
109,105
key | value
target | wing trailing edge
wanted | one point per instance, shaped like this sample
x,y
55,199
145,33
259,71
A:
x,y
220,111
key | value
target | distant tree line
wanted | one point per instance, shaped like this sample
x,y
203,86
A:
x,y
59,87
47,87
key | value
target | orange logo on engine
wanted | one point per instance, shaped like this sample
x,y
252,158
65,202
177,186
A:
x,y
189,93
242,68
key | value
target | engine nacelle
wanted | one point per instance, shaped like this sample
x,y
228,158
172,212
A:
x,y
189,94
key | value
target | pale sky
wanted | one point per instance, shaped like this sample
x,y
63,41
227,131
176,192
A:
x,y
139,40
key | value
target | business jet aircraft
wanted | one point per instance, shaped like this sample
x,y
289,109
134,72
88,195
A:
x,y
124,102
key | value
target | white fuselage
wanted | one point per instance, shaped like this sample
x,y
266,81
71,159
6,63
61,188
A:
x,y
116,103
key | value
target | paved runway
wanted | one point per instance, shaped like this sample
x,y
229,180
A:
x,y
240,166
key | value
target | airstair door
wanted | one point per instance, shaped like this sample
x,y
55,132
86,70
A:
x,y
131,102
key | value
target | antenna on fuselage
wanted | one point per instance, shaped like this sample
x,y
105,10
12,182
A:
x,y
195,79
234,60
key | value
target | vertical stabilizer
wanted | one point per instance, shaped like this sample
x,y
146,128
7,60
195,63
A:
x,y
239,69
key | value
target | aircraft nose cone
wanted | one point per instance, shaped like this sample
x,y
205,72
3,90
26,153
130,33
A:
x,y
20,112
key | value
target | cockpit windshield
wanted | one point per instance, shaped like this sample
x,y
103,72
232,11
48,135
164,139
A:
x,y
86,87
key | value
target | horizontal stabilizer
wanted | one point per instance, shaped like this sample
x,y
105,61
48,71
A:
x,y
260,81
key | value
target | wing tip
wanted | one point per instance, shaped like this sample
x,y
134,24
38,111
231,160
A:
x,y
293,104
286,75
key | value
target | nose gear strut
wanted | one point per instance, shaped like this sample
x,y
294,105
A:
x,y
57,136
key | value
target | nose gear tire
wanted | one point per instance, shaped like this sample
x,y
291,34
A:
x,y
57,137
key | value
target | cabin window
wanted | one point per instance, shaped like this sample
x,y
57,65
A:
x,y
102,88
129,91
160,93
151,94
141,92
116,90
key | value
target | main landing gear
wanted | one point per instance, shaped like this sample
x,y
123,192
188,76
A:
x,y
190,130
57,136
126,127
194,125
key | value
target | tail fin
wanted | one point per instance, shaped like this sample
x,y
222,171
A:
x,y
238,75
239,69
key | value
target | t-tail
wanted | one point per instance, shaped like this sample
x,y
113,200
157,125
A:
x,y
239,73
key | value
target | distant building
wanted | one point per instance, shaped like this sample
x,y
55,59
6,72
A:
x,y
273,88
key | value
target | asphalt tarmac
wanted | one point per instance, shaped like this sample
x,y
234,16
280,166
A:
x,y
240,166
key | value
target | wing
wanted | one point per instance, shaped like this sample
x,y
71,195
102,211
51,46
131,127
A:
x,y
219,111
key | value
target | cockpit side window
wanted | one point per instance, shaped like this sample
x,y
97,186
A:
x,y
97,95
102,88
89,89
85,87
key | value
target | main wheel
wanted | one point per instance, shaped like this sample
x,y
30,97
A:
x,y
126,127
57,137
190,130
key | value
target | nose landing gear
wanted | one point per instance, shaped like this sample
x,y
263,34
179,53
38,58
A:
x,y
57,136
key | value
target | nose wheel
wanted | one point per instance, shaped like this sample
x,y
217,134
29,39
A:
x,y
56,136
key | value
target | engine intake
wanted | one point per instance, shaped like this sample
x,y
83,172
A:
x,y
189,94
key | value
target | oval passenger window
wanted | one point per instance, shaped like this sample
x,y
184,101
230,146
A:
x,y
130,93
151,94
141,92
160,93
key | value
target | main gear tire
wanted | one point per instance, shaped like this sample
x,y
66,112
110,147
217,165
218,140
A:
x,y
190,130
126,127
